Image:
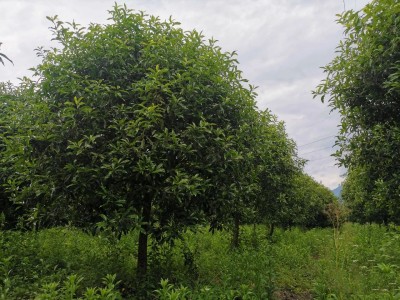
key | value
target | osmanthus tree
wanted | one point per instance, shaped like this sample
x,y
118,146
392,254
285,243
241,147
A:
x,y
310,202
363,85
8,210
242,187
263,169
21,115
134,123
8,214
277,164
355,196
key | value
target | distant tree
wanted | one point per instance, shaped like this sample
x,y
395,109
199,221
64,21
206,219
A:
x,y
262,172
363,84
312,201
241,177
277,164
134,123
356,197
9,212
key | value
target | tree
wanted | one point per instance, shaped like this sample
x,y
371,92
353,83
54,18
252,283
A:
x,y
363,84
21,116
139,123
311,201
355,195
8,210
240,186
277,164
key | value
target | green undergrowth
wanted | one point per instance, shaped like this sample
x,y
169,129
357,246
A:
x,y
357,262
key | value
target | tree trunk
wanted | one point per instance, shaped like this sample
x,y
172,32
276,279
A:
x,y
236,227
254,240
143,238
271,230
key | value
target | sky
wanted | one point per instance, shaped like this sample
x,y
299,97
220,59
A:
x,y
281,48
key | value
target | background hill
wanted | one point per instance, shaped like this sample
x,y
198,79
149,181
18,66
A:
x,y
337,191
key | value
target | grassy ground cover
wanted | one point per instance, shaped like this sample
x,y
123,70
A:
x,y
359,262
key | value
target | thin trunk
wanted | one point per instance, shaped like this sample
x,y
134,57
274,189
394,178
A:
x,y
386,223
271,230
254,240
236,227
143,238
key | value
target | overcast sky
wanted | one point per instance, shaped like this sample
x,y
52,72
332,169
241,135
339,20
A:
x,y
281,46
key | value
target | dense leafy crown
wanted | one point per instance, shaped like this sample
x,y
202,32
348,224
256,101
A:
x,y
137,110
363,84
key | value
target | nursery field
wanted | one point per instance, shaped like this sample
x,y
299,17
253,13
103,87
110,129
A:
x,y
136,160
357,262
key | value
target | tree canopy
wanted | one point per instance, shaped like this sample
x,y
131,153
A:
x,y
363,85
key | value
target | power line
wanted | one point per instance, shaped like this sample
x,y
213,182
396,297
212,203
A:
x,y
329,147
322,167
321,139
333,166
321,158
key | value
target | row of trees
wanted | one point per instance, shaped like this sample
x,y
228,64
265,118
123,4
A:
x,y
363,85
139,124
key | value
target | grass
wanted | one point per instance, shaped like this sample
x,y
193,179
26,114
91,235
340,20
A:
x,y
360,262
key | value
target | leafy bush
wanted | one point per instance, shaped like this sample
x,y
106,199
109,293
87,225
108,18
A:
x,y
66,263
69,290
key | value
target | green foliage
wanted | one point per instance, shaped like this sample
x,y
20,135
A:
x,y
30,261
69,264
363,86
312,202
128,121
301,202
277,167
68,290
170,292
